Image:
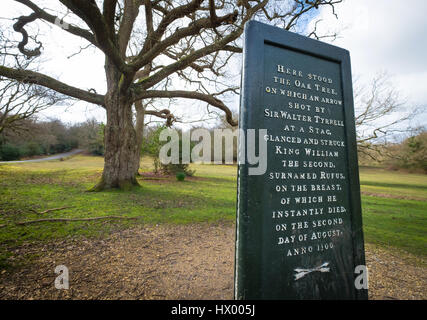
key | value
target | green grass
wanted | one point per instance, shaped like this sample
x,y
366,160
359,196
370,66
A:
x,y
394,206
54,184
396,223
390,219
393,183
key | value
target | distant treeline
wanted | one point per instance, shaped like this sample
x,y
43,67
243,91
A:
x,y
49,137
34,138
410,154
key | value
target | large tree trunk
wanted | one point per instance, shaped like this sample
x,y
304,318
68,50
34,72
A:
x,y
121,159
139,127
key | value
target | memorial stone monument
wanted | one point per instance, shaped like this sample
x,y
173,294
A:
x,y
299,225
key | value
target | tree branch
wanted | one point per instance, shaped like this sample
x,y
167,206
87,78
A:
x,y
89,12
109,13
146,55
186,61
189,95
27,76
73,219
131,11
86,34
169,17
19,27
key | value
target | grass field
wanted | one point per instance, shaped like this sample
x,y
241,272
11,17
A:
x,y
394,204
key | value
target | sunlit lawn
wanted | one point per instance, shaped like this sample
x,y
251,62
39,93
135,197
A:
x,y
28,189
382,181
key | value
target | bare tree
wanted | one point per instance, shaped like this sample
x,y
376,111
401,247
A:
x,y
20,101
380,114
186,38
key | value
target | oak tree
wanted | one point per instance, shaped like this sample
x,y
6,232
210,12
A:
x,y
145,43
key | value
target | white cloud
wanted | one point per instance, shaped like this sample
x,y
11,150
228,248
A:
x,y
84,70
381,35
385,35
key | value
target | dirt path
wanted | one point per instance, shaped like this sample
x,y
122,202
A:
x,y
172,262
54,157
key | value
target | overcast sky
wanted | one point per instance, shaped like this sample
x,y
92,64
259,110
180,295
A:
x,y
381,35
386,36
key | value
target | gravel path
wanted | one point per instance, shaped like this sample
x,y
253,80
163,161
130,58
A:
x,y
54,157
173,262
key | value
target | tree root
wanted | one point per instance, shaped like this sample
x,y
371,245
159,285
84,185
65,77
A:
x,y
73,219
125,185
101,185
49,210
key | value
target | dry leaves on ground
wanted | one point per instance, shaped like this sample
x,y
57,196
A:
x,y
174,262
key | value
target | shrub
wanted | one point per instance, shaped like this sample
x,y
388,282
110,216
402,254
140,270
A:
x,y
10,152
411,154
96,145
33,149
152,145
178,167
180,176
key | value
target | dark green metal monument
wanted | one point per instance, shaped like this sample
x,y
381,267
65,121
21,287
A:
x,y
299,225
